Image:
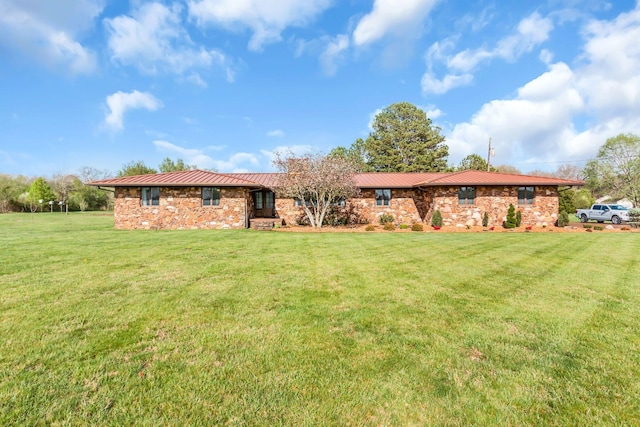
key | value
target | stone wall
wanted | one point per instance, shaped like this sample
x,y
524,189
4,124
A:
x,y
495,201
180,208
406,205
288,211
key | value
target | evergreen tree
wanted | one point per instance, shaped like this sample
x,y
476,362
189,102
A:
x,y
436,219
404,140
169,165
135,168
511,217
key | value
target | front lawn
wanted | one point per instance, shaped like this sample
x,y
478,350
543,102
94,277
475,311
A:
x,y
109,327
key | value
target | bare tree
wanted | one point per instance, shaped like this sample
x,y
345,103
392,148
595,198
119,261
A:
x,y
569,172
63,184
507,169
317,181
538,172
88,173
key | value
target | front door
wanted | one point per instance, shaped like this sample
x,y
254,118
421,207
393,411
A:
x,y
264,203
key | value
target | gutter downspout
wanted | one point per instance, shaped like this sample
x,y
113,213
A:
x,y
246,209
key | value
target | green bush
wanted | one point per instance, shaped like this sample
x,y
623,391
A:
x,y
417,227
485,219
370,227
634,217
582,199
598,228
388,226
403,226
587,226
436,219
518,218
386,219
565,199
511,217
563,219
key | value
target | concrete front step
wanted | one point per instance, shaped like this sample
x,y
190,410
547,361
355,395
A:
x,y
264,223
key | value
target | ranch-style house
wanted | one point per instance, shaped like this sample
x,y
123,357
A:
x,y
198,199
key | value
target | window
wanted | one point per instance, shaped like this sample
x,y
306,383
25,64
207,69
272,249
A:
x,y
525,195
466,195
150,196
383,197
210,196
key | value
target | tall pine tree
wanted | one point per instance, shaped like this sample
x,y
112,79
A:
x,y
404,140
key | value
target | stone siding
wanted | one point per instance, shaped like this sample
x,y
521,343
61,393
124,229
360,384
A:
x,y
180,208
495,201
406,205
288,211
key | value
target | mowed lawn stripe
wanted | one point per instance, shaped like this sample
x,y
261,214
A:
x,y
200,327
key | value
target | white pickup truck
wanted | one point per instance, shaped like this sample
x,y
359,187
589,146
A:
x,y
601,213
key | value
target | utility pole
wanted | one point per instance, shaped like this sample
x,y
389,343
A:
x,y
490,154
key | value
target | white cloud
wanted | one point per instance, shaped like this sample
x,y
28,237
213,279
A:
x,y
120,102
387,17
47,31
532,125
197,80
238,162
333,53
432,112
275,133
564,114
152,39
610,79
266,18
531,32
431,84
372,117
546,56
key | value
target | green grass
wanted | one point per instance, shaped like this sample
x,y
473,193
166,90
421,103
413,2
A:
x,y
109,327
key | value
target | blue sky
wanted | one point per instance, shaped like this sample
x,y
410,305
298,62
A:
x,y
223,84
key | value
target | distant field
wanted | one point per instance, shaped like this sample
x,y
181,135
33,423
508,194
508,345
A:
x,y
109,327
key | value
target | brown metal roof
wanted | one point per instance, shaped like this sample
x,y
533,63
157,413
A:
x,y
264,179
394,179
199,178
178,179
472,177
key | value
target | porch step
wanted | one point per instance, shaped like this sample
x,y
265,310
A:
x,y
264,223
